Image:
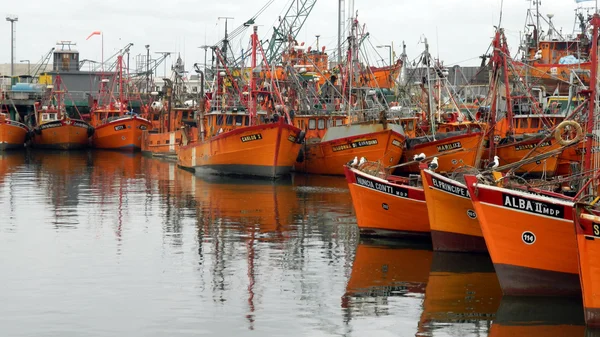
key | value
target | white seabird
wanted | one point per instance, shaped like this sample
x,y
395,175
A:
x,y
354,162
362,160
434,164
495,163
419,157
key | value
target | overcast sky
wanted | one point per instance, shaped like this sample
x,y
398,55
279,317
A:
x,y
458,30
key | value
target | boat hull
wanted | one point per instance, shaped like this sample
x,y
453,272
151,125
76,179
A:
x,y
165,144
122,134
62,135
13,135
512,153
329,157
386,209
453,221
452,152
530,240
267,150
588,244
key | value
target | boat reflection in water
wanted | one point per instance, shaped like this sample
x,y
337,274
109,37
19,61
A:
x,y
462,290
540,316
11,161
452,291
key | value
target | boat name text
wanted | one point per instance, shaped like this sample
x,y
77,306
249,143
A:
x,y
532,206
531,146
381,187
450,188
447,147
119,127
397,143
354,145
249,138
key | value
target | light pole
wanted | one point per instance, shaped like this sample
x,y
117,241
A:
x,y
28,67
390,47
205,47
147,68
12,19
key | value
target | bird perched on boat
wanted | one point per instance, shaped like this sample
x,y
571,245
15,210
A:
x,y
354,162
434,164
362,160
495,163
419,157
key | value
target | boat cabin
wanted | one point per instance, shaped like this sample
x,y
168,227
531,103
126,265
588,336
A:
x,y
217,122
315,126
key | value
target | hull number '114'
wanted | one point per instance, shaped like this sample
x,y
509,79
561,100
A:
x,y
385,188
249,138
532,206
354,145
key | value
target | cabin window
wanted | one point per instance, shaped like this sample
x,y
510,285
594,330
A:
x,y
329,123
535,123
523,123
246,121
220,120
409,125
312,124
239,120
338,122
321,124
229,120
194,89
167,141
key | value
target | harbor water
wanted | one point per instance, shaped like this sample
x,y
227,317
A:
x,y
114,244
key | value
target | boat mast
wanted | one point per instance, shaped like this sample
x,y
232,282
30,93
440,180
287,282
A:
x,y
593,88
120,72
252,102
429,91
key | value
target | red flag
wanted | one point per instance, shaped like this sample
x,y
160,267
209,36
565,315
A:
x,y
94,33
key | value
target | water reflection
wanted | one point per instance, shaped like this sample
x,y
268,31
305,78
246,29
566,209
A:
x,y
461,297
445,293
551,317
109,243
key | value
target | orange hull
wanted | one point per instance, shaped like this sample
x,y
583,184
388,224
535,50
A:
x,y
267,150
386,208
9,162
330,157
453,221
12,135
462,151
161,144
551,74
124,133
383,77
512,153
588,243
63,135
530,239
547,317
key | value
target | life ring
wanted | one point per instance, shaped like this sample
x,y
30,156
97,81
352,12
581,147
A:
x,y
562,128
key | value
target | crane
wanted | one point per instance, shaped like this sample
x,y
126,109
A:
x,y
289,26
43,63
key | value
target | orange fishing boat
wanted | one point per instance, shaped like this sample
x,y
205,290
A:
x,y
13,134
55,129
529,237
236,141
386,204
339,145
587,227
115,127
453,221
165,140
538,316
264,150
